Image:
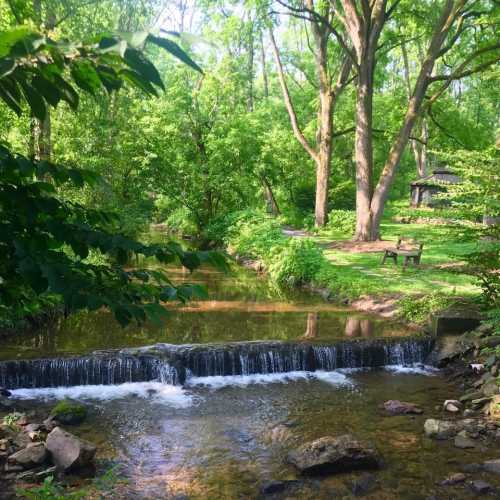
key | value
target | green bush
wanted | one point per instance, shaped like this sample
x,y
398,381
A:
x,y
254,235
295,262
342,220
418,310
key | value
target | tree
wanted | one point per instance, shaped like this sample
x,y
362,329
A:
x,y
45,240
361,24
332,79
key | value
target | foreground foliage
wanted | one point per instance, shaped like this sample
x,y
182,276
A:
x,y
45,239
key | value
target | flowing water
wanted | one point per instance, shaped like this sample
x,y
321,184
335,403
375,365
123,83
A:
x,y
232,384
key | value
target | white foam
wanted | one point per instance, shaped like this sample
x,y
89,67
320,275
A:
x,y
416,369
154,391
217,382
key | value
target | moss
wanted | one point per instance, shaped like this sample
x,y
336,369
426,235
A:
x,y
69,412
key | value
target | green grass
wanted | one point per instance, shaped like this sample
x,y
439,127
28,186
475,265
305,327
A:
x,y
361,273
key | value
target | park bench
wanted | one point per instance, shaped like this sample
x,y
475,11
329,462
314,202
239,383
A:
x,y
408,248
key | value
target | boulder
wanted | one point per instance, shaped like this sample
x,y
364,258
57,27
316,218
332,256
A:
x,y
69,413
480,486
491,388
4,392
452,405
492,466
456,478
33,455
463,442
334,454
440,429
68,451
395,407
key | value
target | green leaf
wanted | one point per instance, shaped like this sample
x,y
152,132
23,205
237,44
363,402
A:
x,y
137,81
175,50
10,95
7,66
35,100
136,60
109,78
68,93
46,88
85,76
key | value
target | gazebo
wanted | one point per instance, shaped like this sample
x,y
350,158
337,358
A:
x,y
424,190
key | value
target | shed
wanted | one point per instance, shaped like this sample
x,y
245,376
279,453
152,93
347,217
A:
x,y
424,190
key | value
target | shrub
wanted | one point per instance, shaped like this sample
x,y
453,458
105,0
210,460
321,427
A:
x,y
342,220
294,263
254,235
417,310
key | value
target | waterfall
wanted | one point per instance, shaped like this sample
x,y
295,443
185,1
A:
x,y
171,364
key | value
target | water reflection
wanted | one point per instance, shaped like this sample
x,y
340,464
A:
x,y
359,327
241,307
312,326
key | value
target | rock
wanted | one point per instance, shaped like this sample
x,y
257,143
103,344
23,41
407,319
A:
x,y
33,455
463,442
334,454
34,476
440,429
364,485
469,413
69,413
49,424
452,405
492,466
395,407
490,342
477,367
272,487
471,395
491,388
32,428
480,486
69,452
472,468
5,392
456,478
477,404
494,370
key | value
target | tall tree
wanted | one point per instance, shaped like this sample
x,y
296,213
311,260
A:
x,y
360,23
332,79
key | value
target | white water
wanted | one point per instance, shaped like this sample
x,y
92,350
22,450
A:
x,y
217,382
170,395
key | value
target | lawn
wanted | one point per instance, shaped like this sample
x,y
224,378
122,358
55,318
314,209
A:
x,y
362,273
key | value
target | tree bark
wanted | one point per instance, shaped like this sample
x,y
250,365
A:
x,y
264,65
271,203
328,97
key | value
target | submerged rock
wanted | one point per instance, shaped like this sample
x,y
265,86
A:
x,y
334,454
68,451
463,442
274,486
492,466
69,413
480,486
456,478
33,455
440,429
395,407
364,485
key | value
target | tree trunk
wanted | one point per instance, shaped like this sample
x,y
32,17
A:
x,y
364,153
271,203
251,51
264,65
40,138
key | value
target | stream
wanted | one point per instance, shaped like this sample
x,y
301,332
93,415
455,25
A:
x,y
235,382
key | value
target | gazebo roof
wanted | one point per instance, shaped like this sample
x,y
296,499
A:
x,y
439,176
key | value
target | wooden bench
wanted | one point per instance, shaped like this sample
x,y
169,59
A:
x,y
408,248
